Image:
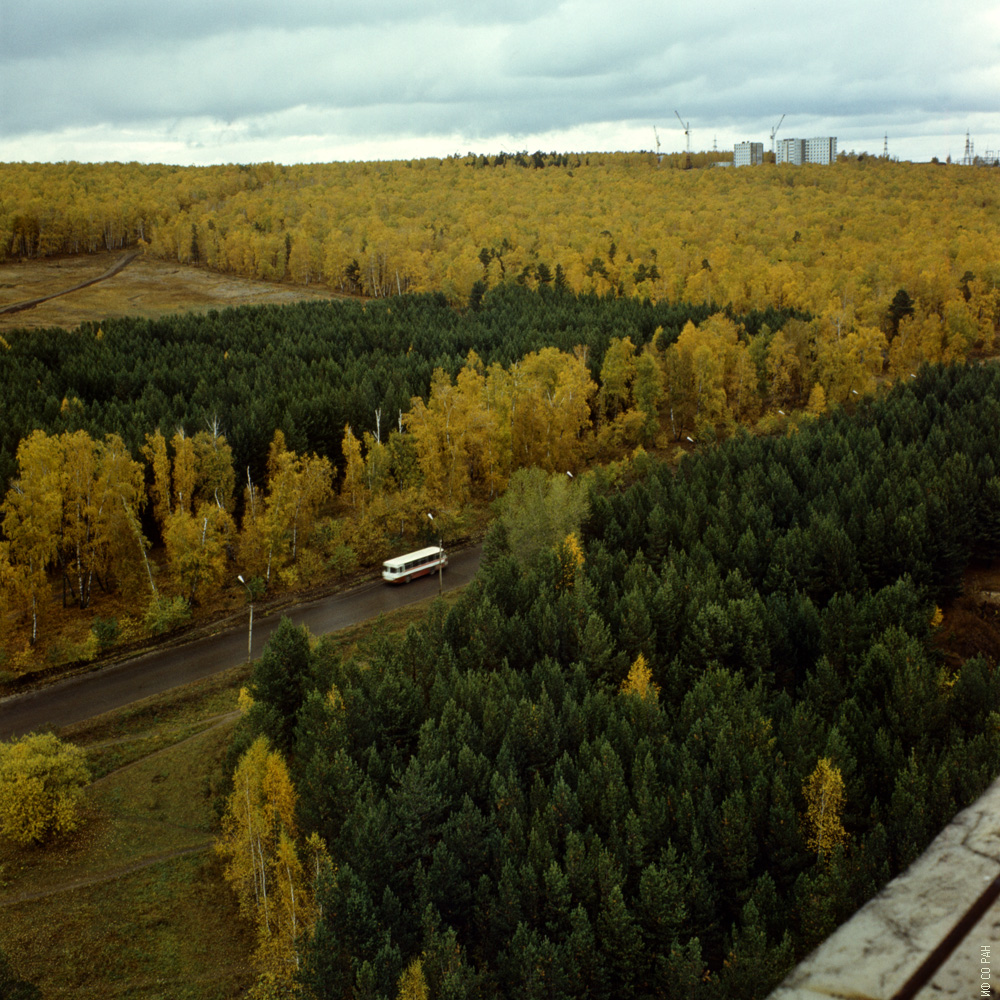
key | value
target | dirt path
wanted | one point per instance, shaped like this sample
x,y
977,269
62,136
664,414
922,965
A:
x,y
119,265
109,875
207,725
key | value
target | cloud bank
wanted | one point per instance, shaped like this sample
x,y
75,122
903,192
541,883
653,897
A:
x,y
198,83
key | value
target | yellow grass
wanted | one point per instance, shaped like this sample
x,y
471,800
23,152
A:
x,y
147,287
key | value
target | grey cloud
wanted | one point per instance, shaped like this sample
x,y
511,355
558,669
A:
x,y
46,27
480,68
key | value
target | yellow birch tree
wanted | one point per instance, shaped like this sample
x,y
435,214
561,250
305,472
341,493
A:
x,y
412,984
824,794
353,486
196,547
550,414
263,867
185,472
32,521
102,491
155,451
42,780
275,522
640,681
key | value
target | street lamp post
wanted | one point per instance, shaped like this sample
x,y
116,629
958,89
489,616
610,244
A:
x,y
250,631
440,560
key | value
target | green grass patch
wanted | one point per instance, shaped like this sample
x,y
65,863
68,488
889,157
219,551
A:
x,y
128,734
134,903
168,930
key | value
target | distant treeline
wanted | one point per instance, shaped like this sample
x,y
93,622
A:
x,y
835,241
680,726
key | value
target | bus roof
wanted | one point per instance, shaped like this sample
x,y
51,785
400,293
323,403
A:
x,y
432,550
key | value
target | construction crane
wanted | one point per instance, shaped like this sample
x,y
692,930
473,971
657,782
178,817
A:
x,y
774,132
687,131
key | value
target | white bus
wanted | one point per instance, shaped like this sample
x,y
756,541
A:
x,y
403,569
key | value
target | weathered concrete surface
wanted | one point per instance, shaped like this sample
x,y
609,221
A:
x,y
879,950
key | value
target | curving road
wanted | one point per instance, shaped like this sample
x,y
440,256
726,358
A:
x,y
78,698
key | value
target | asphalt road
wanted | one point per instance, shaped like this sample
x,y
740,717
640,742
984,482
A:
x,y
78,698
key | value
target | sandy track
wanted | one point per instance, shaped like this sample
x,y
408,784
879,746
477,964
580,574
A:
x,y
119,265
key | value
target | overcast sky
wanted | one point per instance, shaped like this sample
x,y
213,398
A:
x,y
219,81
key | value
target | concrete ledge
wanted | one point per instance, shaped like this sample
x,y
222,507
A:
x,y
877,953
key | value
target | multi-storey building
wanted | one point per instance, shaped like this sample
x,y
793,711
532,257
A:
x,y
748,154
822,149
790,151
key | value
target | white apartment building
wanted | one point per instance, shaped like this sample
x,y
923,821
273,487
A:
x,y
790,151
748,154
822,149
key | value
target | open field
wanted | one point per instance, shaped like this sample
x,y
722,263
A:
x,y
146,287
134,904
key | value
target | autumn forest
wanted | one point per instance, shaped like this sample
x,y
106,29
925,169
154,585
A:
x,y
605,770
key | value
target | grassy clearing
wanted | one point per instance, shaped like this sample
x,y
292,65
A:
x,y
159,723
134,904
168,930
147,287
